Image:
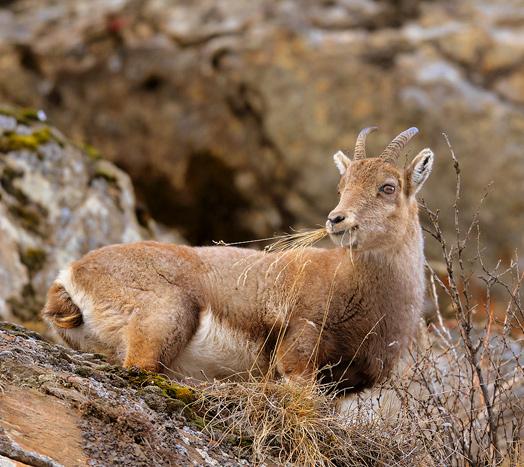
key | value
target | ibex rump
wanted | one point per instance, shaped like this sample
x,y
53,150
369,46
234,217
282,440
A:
x,y
214,312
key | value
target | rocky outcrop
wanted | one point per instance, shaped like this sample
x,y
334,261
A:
x,y
226,114
59,407
57,201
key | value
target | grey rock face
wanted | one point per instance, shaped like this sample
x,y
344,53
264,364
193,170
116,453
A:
x,y
56,203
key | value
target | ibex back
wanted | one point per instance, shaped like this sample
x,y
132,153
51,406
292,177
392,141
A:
x,y
343,315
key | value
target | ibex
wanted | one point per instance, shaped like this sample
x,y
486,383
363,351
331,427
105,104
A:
x,y
215,312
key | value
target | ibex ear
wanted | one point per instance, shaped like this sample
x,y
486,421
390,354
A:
x,y
342,162
418,171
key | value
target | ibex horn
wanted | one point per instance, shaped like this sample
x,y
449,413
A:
x,y
360,146
392,151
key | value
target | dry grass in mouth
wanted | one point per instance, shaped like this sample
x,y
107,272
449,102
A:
x,y
286,242
297,240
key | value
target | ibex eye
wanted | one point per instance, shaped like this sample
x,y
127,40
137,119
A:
x,y
388,189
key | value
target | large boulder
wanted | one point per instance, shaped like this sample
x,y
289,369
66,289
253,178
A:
x,y
226,114
57,202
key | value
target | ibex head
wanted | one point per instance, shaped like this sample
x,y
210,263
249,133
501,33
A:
x,y
377,200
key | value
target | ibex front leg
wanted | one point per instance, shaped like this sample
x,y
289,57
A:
x,y
297,352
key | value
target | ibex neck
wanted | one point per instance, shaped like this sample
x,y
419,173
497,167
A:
x,y
401,264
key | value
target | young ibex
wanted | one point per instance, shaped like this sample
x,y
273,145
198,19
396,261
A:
x,y
214,312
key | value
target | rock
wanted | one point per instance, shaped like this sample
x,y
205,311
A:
x,y
59,407
466,45
512,88
507,51
57,202
226,115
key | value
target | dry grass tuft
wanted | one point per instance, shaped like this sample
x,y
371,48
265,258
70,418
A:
x,y
291,424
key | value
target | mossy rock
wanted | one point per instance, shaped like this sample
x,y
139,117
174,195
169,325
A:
x,y
12,141
104,170
17,330
91,152
25,115
84,371
169,388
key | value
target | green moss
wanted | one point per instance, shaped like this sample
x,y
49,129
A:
x,y
102,171
8,112
199,421
169,388
181,397
24,115
19,331
12,141
34,259
5,326
91,152
100,356
29,114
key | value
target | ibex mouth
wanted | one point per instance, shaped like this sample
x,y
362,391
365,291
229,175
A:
x,y
344,238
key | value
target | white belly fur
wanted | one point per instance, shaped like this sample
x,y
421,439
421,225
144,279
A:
x,y
217,351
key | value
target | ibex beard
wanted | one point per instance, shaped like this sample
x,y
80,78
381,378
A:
x,y
341,315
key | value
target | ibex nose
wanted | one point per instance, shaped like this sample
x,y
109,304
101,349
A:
x,y
336,218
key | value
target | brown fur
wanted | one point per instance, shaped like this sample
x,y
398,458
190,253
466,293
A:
x,y
60,309
348,312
